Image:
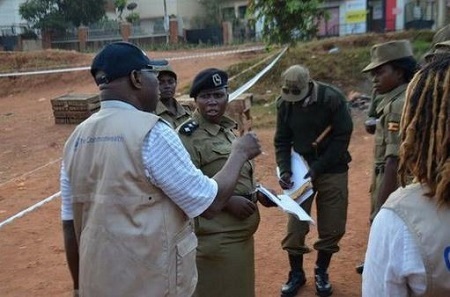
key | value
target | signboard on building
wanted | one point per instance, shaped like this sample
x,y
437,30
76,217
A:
x,y
356,11
355,16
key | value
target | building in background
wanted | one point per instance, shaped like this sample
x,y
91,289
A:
x,y
11,22
201,21
360,16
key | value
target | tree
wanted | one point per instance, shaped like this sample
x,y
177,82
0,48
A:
x,y
213,17
120,7
133,17
61,14
43,14
288,21
84,12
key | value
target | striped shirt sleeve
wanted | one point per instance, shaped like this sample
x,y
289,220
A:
x,y
169,167
66,195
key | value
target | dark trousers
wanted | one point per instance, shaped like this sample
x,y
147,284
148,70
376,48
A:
x,y
331,202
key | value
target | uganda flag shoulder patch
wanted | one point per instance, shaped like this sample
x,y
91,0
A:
x,y
393,126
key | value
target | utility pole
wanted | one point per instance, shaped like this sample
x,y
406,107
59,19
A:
x,y
441,14
166,22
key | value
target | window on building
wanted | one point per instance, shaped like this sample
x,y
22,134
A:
x,y
228,14
242,10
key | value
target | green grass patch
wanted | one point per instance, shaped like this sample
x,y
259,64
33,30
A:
x,y
342,68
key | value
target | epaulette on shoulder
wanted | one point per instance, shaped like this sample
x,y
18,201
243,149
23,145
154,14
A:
x,y
188,127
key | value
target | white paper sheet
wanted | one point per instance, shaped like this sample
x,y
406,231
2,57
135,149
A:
x,y
287,204
299,169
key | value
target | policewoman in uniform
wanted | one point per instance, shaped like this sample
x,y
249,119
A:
x,y
168,107
313,119
225,252
392,66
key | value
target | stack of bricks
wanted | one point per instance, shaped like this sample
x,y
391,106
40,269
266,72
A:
x,y
74,108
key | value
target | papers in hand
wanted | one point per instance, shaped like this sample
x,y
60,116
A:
x,y
287,204
302,188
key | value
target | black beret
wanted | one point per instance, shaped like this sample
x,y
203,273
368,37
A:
x,y
208,79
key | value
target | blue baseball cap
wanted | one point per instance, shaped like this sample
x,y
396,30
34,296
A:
x,y
118,59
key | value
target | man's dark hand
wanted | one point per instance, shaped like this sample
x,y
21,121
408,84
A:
x,y
370,124
240,207
248,144
285,181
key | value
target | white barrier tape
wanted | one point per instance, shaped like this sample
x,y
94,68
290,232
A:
x,y
253,66
251,82
83,68
30,172
29,209
223,53
233,96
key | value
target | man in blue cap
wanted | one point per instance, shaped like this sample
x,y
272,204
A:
x,y
129,187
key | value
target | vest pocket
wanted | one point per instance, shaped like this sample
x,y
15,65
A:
x,y
186,267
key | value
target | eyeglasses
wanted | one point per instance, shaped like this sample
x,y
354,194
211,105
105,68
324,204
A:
x,y
288,91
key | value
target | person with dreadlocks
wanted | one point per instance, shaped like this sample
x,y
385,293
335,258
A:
x,y
392,66
409,244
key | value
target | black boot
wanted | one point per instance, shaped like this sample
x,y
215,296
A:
x,y
296,277
323,286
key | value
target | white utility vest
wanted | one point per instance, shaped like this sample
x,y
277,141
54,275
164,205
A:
x,y
430,226
134,241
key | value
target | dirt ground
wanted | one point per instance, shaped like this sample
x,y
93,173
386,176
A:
x,y
32,257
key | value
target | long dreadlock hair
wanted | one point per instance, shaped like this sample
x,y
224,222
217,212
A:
x,y
425,131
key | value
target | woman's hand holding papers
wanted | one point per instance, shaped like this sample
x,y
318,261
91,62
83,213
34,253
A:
x,y
264,200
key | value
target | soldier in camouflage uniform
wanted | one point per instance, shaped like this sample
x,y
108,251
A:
x,y
225,252
168,107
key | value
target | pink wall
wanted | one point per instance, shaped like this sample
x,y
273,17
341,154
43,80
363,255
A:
x,y
390,16
332,24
